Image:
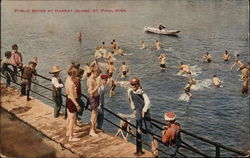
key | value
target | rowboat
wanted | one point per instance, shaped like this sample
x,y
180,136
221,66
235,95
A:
x,y
161,32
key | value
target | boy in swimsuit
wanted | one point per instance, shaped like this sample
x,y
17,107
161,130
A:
x,y
157,45
94,100
238,62
112,85
226,56
187,88
207,57
124,70
162,58
185,68
216,81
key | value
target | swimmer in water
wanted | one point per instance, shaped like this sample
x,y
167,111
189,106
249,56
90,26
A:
x,y
162,58
238,62
80,37
185,68
244,73
188,86
143,45
112,84
207,57
226,56
157,45
124,70
216,81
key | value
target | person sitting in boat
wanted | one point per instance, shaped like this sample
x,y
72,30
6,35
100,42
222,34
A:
x,y
161,27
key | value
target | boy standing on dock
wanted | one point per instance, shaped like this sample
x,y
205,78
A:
x,y
6,71
57,86
140,103
71,103
16,59
28,72
94,98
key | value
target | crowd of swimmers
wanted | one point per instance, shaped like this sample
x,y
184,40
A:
x,y
98,81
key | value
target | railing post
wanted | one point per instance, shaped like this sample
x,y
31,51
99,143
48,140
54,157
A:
x,y
217,148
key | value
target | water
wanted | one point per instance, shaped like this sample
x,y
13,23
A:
x,y
219,114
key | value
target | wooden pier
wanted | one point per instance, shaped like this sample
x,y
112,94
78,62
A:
x,y
40,117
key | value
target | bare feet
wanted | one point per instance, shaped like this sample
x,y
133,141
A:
x,y
74,139
93,134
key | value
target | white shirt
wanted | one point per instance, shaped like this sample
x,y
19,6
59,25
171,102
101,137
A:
x,y
145,97
56,83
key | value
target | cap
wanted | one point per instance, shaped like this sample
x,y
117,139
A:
x,y
170,116
135,81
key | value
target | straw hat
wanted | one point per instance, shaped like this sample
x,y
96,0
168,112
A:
x,y
55,69
170,116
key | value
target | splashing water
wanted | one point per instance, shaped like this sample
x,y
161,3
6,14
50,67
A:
x,y
184,97
128,54
194,69
124,84
201,84
169,49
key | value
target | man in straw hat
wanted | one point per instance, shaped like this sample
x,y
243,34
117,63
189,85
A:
x,y
28,72
171,134
140,103
57,86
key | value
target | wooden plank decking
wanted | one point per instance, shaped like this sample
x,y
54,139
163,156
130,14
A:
x,y
40,116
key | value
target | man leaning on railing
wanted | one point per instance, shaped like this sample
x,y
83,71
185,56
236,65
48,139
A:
x,y
171,134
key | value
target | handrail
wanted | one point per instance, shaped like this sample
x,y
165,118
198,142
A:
x,y
216,144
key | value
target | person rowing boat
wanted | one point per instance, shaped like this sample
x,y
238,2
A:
x,y
161,27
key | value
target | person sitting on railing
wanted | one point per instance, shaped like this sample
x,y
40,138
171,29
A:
x,y
124,126
140,103
57,86
171,135
6,71
28,72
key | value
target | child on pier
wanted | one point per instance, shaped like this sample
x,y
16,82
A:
x,y
57,86
6,71
28,72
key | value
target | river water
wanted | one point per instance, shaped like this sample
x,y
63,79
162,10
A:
x,y
215,26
